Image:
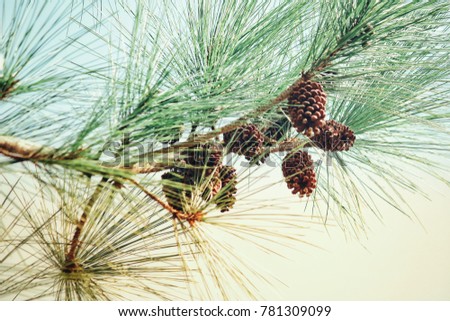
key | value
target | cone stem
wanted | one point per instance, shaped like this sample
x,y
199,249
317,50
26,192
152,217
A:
x,y
163,204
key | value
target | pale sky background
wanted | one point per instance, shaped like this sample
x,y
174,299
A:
x,y
400,259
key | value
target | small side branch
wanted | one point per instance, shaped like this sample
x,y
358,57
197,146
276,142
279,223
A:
x,y
71,264
163,204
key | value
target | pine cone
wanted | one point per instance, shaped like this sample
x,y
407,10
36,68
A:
x,y
306,107
219,188
176,187
226,197
246,140
334,137
278,130
213,184
204,157
299,174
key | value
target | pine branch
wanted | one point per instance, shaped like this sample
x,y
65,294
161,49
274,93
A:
x,y
25,150
22,149
383,65
289,145
71,264
150,168
234,125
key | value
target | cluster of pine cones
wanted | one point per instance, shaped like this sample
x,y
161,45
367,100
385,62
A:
x,y
200,178
307,112
204,177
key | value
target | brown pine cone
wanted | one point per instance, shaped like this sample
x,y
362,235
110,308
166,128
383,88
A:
x,y
212,184
334,136
278,130
246,140
298,170
306,107
179,184
176,186
205,157
226,197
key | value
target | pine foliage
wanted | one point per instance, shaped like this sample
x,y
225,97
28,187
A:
x,y
122,122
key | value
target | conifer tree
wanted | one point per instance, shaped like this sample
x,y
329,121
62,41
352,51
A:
x,y
127,129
